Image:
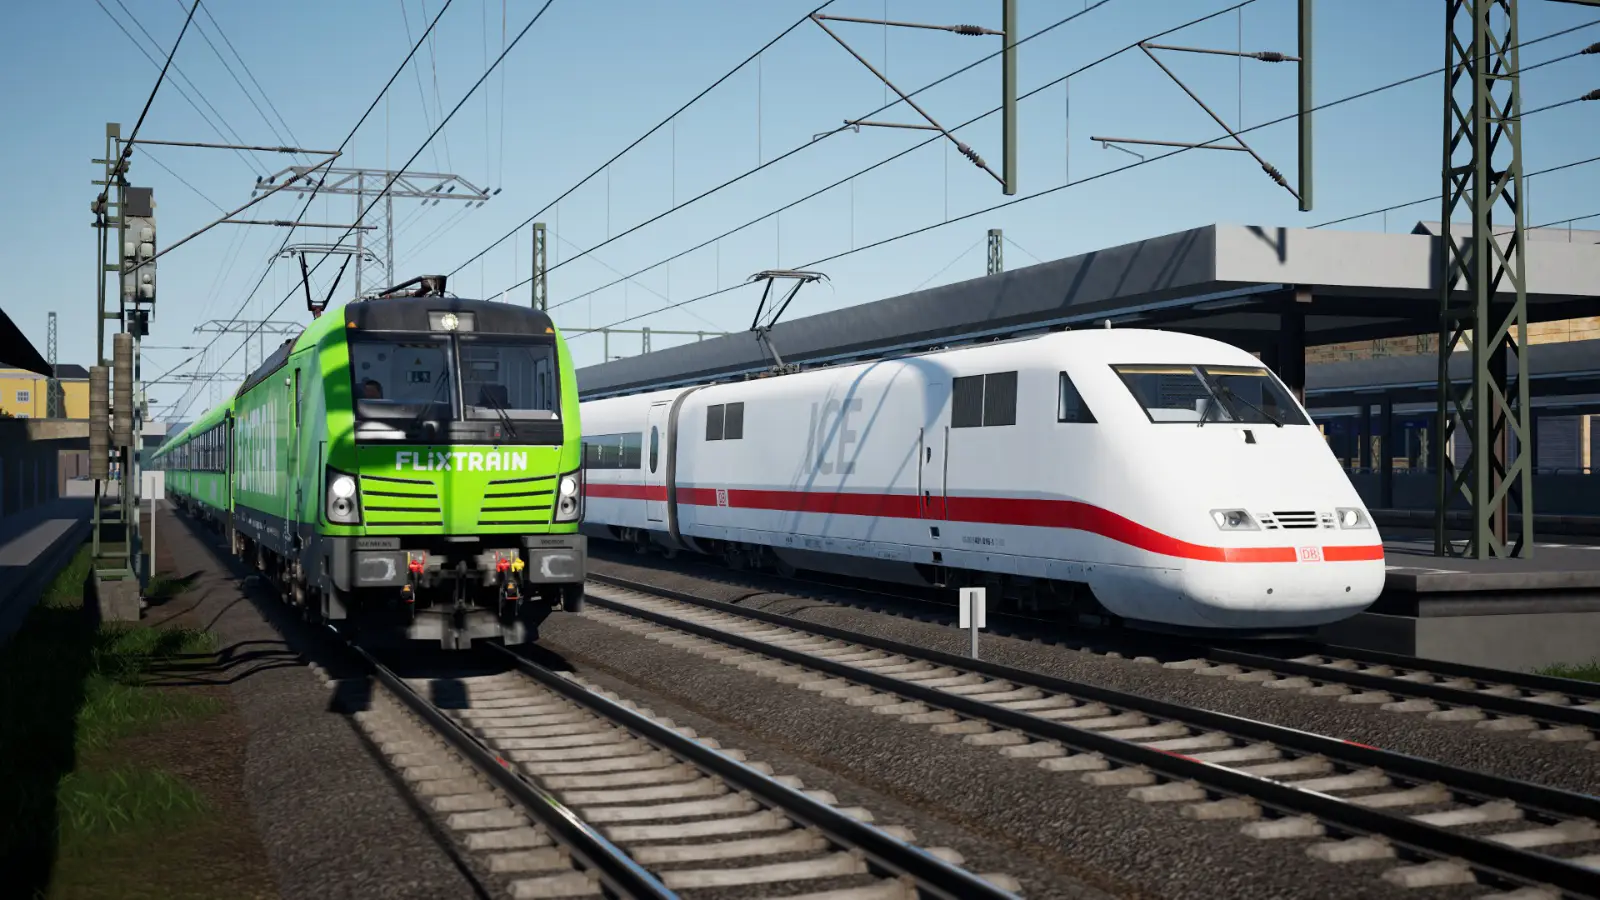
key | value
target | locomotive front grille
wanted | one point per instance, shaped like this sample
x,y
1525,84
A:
x,y
519,501
389,501
1295,519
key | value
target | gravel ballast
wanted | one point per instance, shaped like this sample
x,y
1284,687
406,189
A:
x,y
332,818
1095,835
1566,765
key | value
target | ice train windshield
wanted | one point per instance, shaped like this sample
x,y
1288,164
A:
x,y
1248,395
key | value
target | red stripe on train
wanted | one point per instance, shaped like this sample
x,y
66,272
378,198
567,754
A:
x,y
1037,513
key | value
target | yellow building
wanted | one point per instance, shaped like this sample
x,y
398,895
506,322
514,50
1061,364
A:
x,y
25,395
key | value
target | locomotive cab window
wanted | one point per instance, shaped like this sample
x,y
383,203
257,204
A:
x,y
512,377
1069,403
1248,395
401,378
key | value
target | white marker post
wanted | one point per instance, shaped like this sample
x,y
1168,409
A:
x,y
973,613
154,488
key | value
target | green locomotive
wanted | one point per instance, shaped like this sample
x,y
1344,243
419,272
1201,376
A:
x,y
408,464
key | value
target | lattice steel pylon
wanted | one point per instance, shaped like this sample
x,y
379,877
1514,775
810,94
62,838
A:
x,y
52,386
1483,293
364,183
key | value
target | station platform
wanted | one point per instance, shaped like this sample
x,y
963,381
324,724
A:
x,y
1517,614
1547,525
34,545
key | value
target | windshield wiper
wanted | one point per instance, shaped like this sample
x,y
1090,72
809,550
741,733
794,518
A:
x,y
1226,391
505,417
1205,411
416,421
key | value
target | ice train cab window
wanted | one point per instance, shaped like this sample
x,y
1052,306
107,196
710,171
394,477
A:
x,y
1069,403
1248,395
982,401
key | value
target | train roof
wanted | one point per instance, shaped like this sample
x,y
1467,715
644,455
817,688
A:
x,y
1063,349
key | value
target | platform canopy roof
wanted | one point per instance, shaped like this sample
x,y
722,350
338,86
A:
x,y
17,351
1231,282
1568,370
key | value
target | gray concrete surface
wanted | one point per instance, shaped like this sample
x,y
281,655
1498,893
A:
x,y
34,546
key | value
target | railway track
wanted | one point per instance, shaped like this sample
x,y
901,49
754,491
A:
x,y
1441,825
567,791
1540,706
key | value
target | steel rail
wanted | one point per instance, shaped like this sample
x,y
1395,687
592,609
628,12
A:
x,y
934,876
614,867
1454,696
1428,840
1526,680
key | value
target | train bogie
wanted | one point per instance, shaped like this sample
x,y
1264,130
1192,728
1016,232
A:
x,y
1165,479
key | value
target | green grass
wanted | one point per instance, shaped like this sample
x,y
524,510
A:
x,y
69,692
1589,671
98,803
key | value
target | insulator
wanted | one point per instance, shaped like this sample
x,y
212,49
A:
x,y
971,154
1591,49
1592,95
1274,174
1271,56
970,30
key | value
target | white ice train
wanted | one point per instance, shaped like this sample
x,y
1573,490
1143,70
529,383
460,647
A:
x,y
1167,479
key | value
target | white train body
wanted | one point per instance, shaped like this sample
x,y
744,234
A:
x,y
1175,501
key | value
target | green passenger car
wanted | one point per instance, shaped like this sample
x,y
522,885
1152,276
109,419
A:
x,y
406,466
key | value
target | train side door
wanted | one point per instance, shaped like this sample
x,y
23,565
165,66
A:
x,y
295,500
655,463
933,447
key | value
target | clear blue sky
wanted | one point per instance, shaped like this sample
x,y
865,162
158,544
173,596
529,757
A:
x,y
591,76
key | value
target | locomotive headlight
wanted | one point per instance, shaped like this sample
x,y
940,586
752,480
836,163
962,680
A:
x,y
343,508
569,498
1234,520
1350,517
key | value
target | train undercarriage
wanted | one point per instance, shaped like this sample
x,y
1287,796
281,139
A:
x,y
451,589
1072,601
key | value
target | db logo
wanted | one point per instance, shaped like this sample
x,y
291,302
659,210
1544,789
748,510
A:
x,y
1310,554
722,496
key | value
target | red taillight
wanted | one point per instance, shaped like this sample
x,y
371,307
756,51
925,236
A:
x,y
502,564
415,563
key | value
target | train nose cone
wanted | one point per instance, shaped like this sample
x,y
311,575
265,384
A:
x,y
1282,595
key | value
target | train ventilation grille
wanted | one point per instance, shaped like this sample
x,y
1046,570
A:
x,y
400,501
519,501
1294,519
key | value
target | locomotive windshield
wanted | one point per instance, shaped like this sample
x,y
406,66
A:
x,y
516,378
402,378
405,383
1248,395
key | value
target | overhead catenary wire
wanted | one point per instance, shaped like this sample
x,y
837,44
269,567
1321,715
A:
x,y
1435,198
271,126
636,141
177,87
803,147
425,144
259,166
251,75
1089,178
913,148
323,180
